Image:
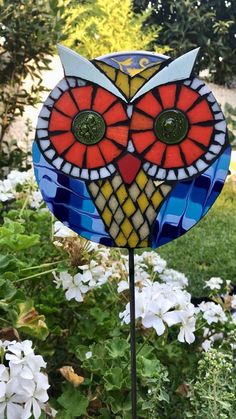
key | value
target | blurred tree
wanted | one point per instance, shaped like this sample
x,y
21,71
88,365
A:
x,y
97,27
28,32
186,24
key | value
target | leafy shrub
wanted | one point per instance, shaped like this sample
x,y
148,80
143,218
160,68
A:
x,y
69,296
187,24
28,32
230,114
213,392
94,28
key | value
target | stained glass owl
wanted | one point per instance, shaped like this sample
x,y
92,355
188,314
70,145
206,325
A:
x,y
131,149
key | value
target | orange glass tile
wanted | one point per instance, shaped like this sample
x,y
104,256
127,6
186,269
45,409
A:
x,y
155,154
59,122
118,133
115,114
93,157
109,150
167,94
149,104
66,104
83,96
75,155
200,113
173,157
201,134
142,140
63,141
191,151
103,100
141,122
186,98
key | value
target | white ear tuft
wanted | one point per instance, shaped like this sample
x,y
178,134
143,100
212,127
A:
x,y
179,69
77,66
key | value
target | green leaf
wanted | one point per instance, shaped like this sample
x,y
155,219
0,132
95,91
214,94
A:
x,y
74,402
114,379
29,321
120,402
150,367
7,289
8,263
118,347
11,236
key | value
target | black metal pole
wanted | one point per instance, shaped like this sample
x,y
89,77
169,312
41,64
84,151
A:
x,y
132,335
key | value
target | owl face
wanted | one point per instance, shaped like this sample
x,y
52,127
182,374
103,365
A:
x,y
131,149
99,121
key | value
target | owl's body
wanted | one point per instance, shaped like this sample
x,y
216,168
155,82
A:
x,y
111,163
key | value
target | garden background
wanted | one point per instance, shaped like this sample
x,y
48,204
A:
x,y
64,318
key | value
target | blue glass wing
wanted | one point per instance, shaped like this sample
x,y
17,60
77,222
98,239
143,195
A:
x,y
68,199
189,201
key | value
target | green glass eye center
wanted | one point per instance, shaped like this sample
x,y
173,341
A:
x,y
88,127
171,126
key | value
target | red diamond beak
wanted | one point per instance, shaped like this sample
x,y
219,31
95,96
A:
x,y
128,166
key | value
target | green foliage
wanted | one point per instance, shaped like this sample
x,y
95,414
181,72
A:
x,y
97,27
65,331
89,336
230,114
12,236
74,403
187,24
213,391
28,32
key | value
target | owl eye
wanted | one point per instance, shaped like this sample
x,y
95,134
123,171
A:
x,y
82,129
178,129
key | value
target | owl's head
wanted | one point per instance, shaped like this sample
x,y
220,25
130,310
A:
x,y
99,120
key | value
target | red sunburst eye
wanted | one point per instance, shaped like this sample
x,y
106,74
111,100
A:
x,y
87,127
172,126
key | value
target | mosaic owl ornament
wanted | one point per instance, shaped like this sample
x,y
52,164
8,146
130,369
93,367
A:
x,y
131,149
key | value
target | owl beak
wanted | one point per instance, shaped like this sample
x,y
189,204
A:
x,y
128,166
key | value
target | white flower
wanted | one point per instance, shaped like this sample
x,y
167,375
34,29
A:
x,y
187,327
78,287
172,277
4,373
97,274
160,306
23,387
36,199
234,317
9,400
142,278
6,192
158,314
64,280
122,286
210,338
2,40
206,345
19,178
153,260
92,276
61,230
22,360
233,302
37,395
212,312
88,355
214,283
